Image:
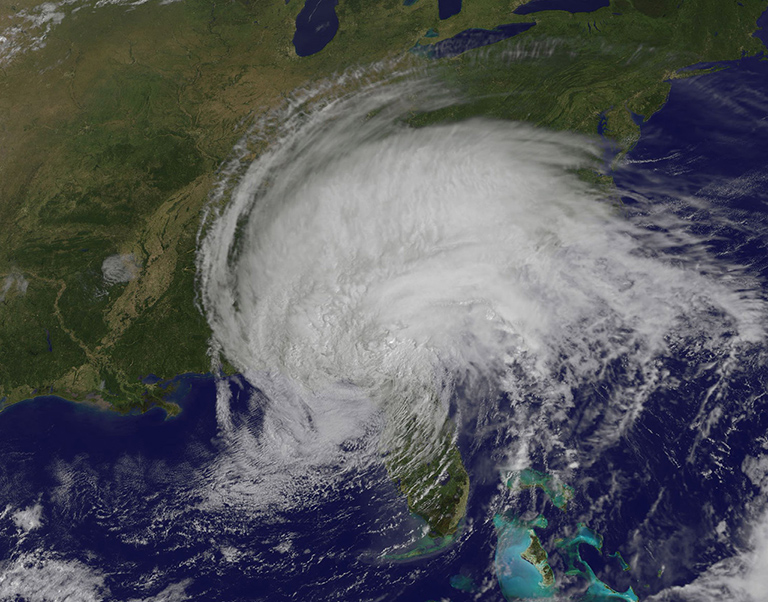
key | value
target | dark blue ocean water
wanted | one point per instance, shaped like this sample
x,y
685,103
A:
x,y
122,494
703,158
572,6
316,26
709,142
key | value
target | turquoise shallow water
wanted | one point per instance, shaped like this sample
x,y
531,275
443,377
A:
x,y
517,577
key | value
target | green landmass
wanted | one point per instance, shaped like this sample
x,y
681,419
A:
x,y
428,469
426,546
517,540
623,563
112,130
538,557
559,493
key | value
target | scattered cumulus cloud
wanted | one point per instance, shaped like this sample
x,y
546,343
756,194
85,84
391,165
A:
x,y
120,268
29,28
175,592
13,282
29,518
37,578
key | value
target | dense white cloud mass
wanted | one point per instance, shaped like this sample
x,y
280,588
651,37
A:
x,y
363,266
40,578
28,519
117,269
13,283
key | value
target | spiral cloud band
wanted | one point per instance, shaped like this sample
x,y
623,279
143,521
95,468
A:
x,y
369,266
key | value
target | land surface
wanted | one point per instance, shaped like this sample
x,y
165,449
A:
x,y
114,121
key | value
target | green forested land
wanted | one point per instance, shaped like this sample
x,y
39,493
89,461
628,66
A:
x,y
110,136
615,61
